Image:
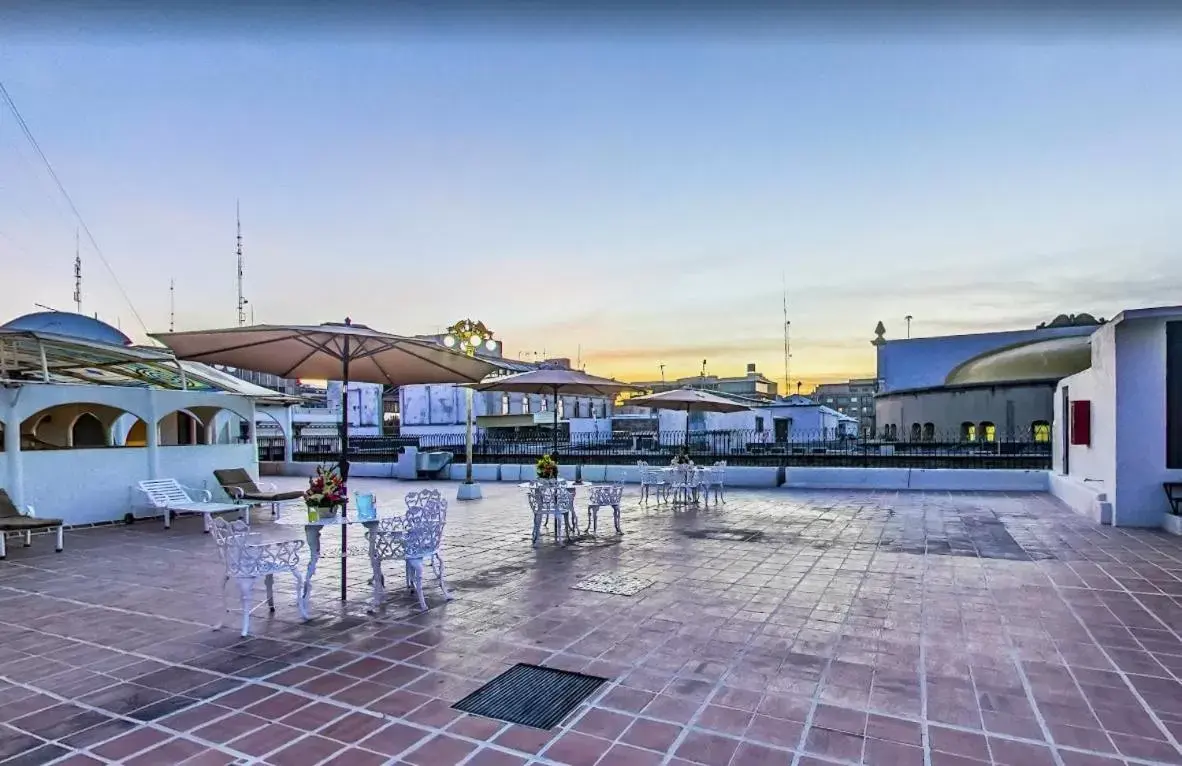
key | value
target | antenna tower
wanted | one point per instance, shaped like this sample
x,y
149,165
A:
x,y
171,304
241,300
77,275
787,353
662,372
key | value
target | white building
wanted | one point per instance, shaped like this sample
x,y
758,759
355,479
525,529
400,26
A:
x,y
1117,434
440,409
86,416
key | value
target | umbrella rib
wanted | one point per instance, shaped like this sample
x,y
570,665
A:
x,y
303,359
239,347
432,362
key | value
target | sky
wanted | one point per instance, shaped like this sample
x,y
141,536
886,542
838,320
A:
x,y
626,200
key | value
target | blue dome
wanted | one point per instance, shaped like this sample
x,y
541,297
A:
x,y
70,325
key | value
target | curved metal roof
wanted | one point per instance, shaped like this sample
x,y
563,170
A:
x,y
70,325
1050,359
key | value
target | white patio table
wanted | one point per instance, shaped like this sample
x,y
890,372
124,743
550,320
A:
x,y
312,530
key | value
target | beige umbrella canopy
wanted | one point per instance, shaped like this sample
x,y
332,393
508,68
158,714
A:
x,y
688,399
557,381
330,351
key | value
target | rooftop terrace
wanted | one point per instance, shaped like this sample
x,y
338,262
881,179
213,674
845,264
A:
x,y
785,627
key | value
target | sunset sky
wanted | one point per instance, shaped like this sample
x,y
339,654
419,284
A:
x,y
636,198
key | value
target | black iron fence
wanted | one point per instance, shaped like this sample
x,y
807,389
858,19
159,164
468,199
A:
x,y
1030,450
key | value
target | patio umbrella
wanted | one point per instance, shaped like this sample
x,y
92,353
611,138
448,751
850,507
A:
x,y
556,381
688,399
331,351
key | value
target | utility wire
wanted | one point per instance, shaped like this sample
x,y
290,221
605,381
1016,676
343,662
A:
x,y
20,121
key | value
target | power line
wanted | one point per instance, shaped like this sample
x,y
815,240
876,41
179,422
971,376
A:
x,y
20,121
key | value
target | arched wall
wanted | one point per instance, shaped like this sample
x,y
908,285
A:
x,y
55,425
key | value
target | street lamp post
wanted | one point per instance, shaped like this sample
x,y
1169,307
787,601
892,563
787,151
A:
x,y
468,336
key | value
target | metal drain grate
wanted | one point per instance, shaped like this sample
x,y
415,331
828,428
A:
x,y
531,695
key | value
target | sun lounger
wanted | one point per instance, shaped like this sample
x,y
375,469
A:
x,y
239,485
170,497
12,520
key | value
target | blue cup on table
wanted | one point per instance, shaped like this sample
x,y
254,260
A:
x,y
367,507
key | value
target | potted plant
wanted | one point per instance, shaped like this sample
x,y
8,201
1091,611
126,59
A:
x,y
325,494
547,468
682,458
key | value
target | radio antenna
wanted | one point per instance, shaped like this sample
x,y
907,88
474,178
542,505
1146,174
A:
x,y
77,275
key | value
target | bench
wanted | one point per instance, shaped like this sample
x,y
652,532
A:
x,y
1174,495
169,496
12,520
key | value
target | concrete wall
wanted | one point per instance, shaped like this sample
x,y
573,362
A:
x,y
1124,466
1012,409
1138,499
101,481
937,479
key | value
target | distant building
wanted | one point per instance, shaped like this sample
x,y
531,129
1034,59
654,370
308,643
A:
x,y
441,409
854,398
753,384
980,387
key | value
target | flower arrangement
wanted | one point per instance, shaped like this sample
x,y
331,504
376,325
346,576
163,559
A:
x,y
326,488
547,467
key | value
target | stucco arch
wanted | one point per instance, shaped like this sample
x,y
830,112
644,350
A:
x,y
180,427
54,425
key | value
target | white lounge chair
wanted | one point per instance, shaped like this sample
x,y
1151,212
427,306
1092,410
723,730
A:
x,y
169,496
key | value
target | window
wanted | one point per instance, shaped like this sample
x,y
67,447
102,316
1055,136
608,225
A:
x,y
504,404
545,405
916,432
758,423
525,404
929,432
968,432
559,404
988,431
578,409
1041,431
853,400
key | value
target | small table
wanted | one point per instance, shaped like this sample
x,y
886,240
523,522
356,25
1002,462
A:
x,y
312,530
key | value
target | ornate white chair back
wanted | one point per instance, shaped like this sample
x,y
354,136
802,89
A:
x,y
426,515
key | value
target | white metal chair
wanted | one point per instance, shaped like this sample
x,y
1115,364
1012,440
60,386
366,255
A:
x,y
716,481
651,480
546,500
608,495
247,559
169,496
415,539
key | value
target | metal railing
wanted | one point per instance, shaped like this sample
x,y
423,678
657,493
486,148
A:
x,y
1028,450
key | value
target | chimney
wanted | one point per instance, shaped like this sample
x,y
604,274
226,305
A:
x,y
751,373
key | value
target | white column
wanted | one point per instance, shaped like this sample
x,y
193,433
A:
x,y
288,435
12,453
152,436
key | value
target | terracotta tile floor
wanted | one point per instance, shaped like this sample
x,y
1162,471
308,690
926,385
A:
x,y
804,628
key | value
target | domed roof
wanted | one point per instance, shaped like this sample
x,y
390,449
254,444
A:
x,y
70,325
1049,359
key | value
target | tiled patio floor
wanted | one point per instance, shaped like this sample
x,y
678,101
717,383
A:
x,y
807,628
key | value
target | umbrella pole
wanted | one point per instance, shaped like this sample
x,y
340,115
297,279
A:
x,y
344,467
555,453
687,424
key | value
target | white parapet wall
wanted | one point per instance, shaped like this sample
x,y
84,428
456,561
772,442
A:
x,y
90,486
931,479
792,477
1085,498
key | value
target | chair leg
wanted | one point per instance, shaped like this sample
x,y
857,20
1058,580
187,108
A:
x,y
378,581
28,538
616,519
246,587
537,529
556,527
61,539
3,552
301,602
437,565
269,583
416,571
225,604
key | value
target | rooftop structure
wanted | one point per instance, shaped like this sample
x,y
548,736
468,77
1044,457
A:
x,y
753,383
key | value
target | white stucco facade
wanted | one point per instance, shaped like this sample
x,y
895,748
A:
x,y
431,409
94,483
1118,477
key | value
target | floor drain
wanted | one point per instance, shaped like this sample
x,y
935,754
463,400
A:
x,y
531,695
